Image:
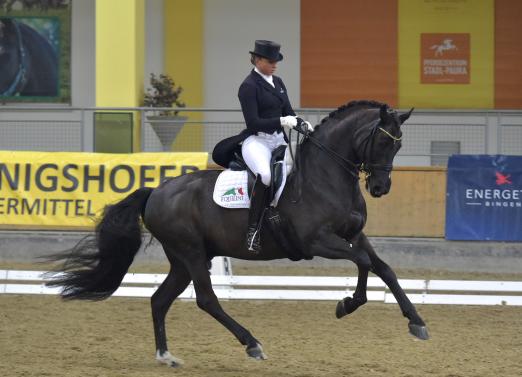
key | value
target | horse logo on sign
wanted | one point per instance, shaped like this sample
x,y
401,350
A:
x,y
445,58
446,45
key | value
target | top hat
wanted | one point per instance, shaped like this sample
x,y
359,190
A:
x,y
268,50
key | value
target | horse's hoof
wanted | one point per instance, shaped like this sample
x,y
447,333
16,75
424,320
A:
x,y
418,331
340,311
256,352
168,359
348,305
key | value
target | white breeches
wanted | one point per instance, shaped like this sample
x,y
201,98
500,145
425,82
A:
x,y
257,152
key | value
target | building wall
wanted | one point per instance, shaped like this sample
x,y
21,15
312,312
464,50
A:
x,y
348,52
204,44
231,27
227,59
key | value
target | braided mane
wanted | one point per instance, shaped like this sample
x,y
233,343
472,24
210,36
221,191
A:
x,y
339,113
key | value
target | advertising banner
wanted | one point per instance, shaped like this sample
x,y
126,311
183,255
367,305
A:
x,y
484,198
445,58
446,53
62,189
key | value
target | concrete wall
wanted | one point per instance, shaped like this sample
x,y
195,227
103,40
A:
x,y
154,39
83,63
231,27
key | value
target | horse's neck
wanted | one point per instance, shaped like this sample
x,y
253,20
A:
x,y
325,173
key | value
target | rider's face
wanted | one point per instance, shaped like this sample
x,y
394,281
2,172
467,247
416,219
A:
x,y
266,66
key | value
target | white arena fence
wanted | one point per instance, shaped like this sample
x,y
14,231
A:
x,y
456,292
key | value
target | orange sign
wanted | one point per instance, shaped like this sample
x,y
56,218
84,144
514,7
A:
x,y
445,58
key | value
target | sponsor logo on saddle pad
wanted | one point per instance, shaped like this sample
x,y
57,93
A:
x,y
234,194
231,190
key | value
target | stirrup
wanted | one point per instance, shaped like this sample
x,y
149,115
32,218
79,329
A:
x,y
253,240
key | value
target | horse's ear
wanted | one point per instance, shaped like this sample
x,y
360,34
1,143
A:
x,y
404,117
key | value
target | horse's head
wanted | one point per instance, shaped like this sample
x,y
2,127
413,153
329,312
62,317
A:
x,y
361,136
378,144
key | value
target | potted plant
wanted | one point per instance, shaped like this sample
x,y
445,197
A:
x,y
164,93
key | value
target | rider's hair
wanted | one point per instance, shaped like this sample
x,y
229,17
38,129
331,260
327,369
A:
x,y
253,59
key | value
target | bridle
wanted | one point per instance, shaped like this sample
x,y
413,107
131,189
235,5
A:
x,y
367,167
349,166
21,76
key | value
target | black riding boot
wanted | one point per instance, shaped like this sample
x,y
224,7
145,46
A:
x,y
255,216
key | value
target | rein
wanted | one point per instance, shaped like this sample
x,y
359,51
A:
x,y
21,77
349,166
346,164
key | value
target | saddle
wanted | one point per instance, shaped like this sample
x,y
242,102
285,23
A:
x,y
232,190
276,169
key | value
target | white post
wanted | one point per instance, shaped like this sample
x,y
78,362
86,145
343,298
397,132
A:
x,y
221,266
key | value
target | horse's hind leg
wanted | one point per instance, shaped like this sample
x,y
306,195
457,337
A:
x,y
177,280
207,300
416,325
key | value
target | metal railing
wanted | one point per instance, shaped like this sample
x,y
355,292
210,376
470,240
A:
x,y
426,134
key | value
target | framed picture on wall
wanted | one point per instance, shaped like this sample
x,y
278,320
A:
x,y
35,51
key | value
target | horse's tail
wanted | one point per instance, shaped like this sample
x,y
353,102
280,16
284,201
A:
x,y
95,267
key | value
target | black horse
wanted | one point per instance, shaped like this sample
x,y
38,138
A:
x,y
28,62
322,203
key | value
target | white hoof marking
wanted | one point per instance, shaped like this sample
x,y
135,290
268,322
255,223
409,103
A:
x,y
168,359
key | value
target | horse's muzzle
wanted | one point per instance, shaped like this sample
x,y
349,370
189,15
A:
x,y
377,189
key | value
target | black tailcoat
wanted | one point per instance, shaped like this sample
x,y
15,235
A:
x,y
262,106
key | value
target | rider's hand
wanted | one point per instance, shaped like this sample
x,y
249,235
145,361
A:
x,y
305,125
309,126
288,121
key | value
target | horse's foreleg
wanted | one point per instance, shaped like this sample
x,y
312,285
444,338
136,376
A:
x,y
331,246
328,245
416,324
176,282
207,300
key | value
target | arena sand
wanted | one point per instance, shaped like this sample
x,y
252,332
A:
x,y
43,336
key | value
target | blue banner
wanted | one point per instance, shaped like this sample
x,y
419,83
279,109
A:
x,y
484,198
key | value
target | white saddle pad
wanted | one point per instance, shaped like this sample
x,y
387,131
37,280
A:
x,y
231,189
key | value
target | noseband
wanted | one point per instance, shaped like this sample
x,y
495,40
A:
x,y
21,76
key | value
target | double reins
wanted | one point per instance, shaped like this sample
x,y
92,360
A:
x,y
349,166
346,164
